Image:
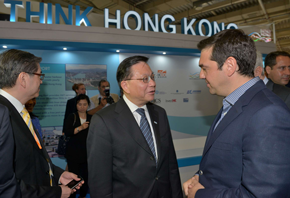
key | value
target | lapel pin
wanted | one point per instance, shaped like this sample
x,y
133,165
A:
x,y
155,122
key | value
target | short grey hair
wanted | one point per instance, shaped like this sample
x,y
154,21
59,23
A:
x,y
12,63
259,61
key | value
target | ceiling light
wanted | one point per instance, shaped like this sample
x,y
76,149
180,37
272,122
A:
x,y
4,46
64,48
117,50
164,52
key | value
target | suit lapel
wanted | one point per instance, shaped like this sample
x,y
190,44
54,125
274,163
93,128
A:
x,y
126,119
155,124
212,128
229,117
270,84
19,126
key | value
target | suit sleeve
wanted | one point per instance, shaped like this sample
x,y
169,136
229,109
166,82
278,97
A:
x,y
8,184
100,159
173,166
69,124
266,158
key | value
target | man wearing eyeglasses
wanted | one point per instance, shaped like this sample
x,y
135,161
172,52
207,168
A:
x,y
35,174
130,148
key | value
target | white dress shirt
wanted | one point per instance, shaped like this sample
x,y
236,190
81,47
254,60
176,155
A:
x,y
137,117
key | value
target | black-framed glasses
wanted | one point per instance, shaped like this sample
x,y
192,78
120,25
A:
x,y
146,79
41,76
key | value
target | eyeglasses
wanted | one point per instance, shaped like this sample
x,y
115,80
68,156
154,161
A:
x,y
146,79
41,76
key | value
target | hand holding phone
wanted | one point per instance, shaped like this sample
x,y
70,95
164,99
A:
x,y
74,183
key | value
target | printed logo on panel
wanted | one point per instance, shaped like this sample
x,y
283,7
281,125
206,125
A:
x,y
193,91
194,76
160,92
156,100
177,92
161,74
172,100
185,99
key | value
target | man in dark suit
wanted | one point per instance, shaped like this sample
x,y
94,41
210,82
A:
x,y
8,184
130,148
280,90
246,153
20,81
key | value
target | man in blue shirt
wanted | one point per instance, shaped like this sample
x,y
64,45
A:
x,y
246,153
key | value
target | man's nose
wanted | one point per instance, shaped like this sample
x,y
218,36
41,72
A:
x,y
201,74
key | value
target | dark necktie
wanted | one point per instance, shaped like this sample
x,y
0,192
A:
x,y
145,128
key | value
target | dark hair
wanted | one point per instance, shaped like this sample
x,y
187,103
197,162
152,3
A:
x,y
270,59
76,86
82,97
124,69
232,43
13,62
101,81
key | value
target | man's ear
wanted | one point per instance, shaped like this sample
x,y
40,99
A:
x,y
258,71
268,69
231,66
125,86
22,79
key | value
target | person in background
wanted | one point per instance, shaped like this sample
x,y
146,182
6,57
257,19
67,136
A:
x,y
282,91
36,175
130,148
277,67
77,129
29,105
100,100
246,153
8,184
71,103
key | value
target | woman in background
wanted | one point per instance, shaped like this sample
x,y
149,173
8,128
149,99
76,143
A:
x,y
29,105
71,103
77,127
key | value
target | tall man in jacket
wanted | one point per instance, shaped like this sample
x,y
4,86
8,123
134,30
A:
x,y
281,90
20,81
246,153
277,67
130,148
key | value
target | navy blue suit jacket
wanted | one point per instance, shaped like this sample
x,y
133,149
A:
x,y
248,153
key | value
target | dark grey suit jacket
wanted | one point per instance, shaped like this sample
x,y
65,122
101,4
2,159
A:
x,y
282,91
8,184
121,164
30,163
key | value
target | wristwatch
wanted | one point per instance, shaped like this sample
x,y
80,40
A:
x,y
78,129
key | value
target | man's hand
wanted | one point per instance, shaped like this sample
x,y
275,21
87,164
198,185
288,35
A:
x,y
66,177
194,187
187,185
66,191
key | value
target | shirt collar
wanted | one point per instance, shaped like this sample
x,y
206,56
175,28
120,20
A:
x,y
265,80
16,103
132,106
235,95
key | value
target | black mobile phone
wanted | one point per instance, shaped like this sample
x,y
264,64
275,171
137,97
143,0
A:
x,y
74,183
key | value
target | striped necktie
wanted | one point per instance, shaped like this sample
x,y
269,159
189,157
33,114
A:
x,y
145,128
27,120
